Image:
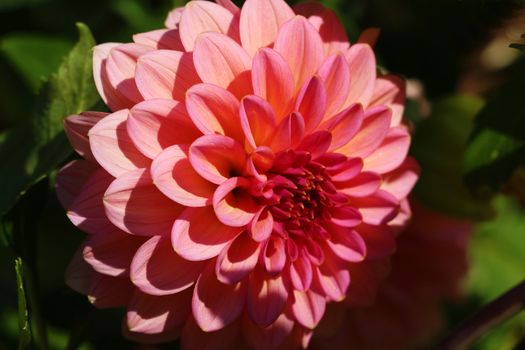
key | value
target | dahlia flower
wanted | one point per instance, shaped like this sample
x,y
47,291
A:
x,y
425,272
250,157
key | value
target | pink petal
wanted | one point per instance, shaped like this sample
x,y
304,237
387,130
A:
x,y
158,315
111,252
346,170
174,176
128,202
288,133
362,63
70,180
301,273
266,298
237,260
344,125
316,143
260,22
173,19
79,274
346,243
401,181
274,255
194,338
217,158
333,278
369,36
270,337
219,60
165,74
272,80
373,131
257,120
77,128
109,93
335,75
233,204
113,148
214,110
197,235
230,6
308,308
345,216
204,16
215,305
157,270
161,39
109,292
301,46
362,185
261,226
311,102
390,90
120,68
156,124
87,210
391,153
327,24
377,209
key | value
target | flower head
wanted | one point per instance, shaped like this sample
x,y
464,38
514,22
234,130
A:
x,y
252,155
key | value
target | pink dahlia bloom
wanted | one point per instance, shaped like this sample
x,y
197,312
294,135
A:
x,y
424,273
252,155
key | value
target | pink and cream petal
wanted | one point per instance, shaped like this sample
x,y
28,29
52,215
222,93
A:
x,y
174,176
391,153
335,75
362,62
198,235
136,206
311,102
237,260
160,39
390,90
113,148
308,308
266,298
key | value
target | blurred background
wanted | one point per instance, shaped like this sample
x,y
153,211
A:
x,y
466,106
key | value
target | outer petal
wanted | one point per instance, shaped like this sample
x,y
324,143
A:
x,y
300,45
194,338
174,176
344,125
214,110
77,128
377,209
111,252
70,180
112,147
109,292
156,124
158,315
362,185
391,153
327,24
400,181
87,210
173,19
267,298
272,80
215,305
161,39
197,234
346,244
390,90
199,17
237,260
110,95
333,278
165,74
260,22
221,61
136,206
308,308
335,74
373,130
362,63
157,270
270,337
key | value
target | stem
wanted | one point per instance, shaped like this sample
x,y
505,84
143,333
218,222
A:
x,y
491,315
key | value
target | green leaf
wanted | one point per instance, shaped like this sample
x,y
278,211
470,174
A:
x,y
497,259
497,144
34,56
438,145
9,5
29,152
23,314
